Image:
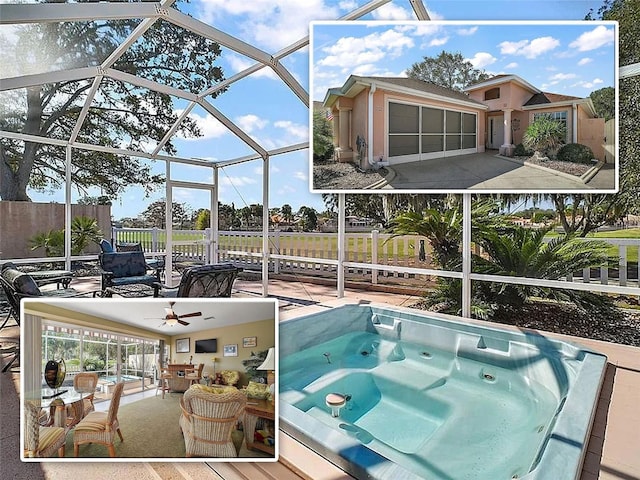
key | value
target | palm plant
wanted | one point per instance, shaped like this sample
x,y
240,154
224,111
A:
x,y
523,252
52,242
84,231
545,135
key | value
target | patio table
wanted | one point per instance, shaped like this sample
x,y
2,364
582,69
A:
x,y
59,277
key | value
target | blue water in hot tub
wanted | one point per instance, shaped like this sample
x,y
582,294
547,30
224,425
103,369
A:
x,y
475,407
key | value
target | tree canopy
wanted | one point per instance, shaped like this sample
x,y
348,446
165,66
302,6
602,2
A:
x,y
449,70
121,115
604,101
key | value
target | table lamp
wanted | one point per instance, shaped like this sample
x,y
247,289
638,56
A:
x,y
269,365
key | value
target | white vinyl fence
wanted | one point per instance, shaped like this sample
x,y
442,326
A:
x,y
317,254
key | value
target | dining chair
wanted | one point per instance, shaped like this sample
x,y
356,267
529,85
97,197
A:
x,y
100,427
41,441
85,382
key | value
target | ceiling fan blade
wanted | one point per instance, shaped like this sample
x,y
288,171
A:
x,y
192,314
182,322
168,312
162,324
209,318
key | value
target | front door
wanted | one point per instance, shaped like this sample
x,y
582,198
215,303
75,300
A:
x,y
496,132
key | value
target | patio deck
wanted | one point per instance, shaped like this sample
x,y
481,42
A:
x,y
613,450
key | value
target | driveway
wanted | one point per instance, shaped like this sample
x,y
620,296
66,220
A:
x,y
483,171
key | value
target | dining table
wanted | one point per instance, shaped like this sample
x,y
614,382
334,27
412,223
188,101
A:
x,y
66,406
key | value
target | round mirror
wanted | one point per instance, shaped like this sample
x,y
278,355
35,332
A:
x,y
54,373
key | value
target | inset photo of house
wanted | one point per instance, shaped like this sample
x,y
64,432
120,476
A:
x,y
458,106
149,379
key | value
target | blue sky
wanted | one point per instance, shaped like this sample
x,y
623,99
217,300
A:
x,y
572,59
274,116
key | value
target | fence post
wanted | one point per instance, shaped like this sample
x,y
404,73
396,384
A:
x,y
154,239
207,245
374,256
622,270
276,261
114,235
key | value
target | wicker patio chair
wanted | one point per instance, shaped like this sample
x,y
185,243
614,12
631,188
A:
x,y
41,441
207,421
100,427
204,281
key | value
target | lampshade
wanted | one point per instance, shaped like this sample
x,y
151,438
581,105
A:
x,y
171,322
269,362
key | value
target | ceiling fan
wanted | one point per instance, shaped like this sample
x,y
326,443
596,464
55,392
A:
x,y
171,318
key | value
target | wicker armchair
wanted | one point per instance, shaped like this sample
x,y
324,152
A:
x,y
204,281
100,427
208,419
41,441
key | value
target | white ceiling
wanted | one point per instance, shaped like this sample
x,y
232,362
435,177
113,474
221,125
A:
x,y
149,313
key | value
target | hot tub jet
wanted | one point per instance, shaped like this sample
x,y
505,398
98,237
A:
x,y
327,356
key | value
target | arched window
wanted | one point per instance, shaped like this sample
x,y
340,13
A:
x,y
492,93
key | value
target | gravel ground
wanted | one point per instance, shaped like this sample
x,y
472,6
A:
x,y
571,168
344,176
567,319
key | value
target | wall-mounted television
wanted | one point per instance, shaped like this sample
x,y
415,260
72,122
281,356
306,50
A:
x,y
209,345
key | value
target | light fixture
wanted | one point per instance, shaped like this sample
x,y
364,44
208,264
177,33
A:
x,y
269,365
172,322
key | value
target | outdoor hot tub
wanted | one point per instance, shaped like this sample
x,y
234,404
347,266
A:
x,y
394,393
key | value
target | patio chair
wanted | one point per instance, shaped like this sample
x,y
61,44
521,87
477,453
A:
x,y
126,268
208,419
41,441
100,427
204,281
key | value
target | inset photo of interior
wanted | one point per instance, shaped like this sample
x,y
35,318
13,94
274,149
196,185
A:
x,y
459,106
149,379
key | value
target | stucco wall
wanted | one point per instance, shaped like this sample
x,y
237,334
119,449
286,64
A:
x,y
264,331
511,96
359,125
591,133
20,221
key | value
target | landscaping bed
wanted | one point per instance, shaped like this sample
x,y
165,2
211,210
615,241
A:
x,y
344,176
577,169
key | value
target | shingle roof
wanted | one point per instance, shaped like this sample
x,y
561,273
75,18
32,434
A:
x,y
422,86
546,97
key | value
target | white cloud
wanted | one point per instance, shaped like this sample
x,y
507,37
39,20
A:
x,y
481,59
529,49
467,31
209,125
231,181
271,24
286,189
239,63
296,130
348,52
436,42
591,84
392,12
511,65
584,61
562,76
348,5
301,176
272,169
596,38
250,122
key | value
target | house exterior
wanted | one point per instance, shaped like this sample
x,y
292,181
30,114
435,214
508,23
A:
x,y
389,120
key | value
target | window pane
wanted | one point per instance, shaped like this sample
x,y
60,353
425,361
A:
x,y
468,123
403,118
432,143
468,141
432,120
403,145
453,142
453,122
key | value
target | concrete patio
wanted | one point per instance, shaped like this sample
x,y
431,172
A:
x,y
612,452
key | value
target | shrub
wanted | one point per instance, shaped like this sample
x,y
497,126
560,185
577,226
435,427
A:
x,y
520,151
544,135
576,153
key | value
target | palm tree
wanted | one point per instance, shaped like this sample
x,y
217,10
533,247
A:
x,y
545,135
523,252
84,230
